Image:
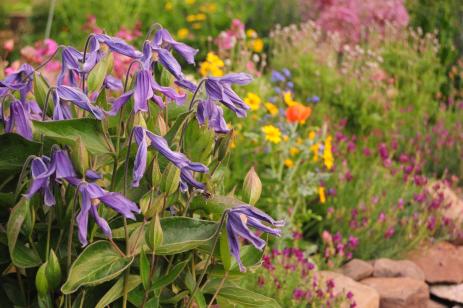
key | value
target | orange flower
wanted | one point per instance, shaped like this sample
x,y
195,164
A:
x,y
298,113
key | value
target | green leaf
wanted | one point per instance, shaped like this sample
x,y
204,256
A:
x,y
250,256
235,295
117,290
66,132
171,276
14,151
225,250
180,233
184,233
21,255
177,127
98,263
144,269
98,73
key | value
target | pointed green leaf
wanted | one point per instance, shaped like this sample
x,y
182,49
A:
x,y
21,255
171,276
67,131
98,263
225,250
144,269
40,92
117,290
98,73
176,129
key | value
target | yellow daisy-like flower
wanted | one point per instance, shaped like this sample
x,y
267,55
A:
x,y
288,99
190,2
212,66
288,163
285,137
271,108
257,45
182,33
294,151
328,158
321,193
311,135
252,100
196,25
168,6
208,8
272,133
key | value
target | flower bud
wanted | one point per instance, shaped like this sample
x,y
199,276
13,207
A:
x,y
155,174
40,92
53,271
41,282
154,235
252,187
139,120
170,180
79,156
160,127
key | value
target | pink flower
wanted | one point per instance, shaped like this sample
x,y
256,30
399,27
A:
x,y
342,20
225,40
237,28
9,45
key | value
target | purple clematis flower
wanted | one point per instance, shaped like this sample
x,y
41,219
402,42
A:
x,y
74,95
165,40
238,221
208,112
45,171
21,81
145,138
19,120
42,170
112,83
146,88
91,196
219,88
118,45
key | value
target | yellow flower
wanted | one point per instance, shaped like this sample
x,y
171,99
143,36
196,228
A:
x,y
299,141
196,25
285,137
272,109
208,8
251,33
294,151
321,193
190,2
288,99
168,6
257,45
252,100
182,33
314,149
212,66
272,133
288,163
311,135
327,154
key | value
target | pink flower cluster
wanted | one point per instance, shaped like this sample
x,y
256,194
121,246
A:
x,y
228,39
353,19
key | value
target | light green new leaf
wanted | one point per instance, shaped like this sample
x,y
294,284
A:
x,y
98,263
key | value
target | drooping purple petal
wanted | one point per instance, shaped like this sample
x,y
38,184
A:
x,y
61,110
236,78
186,84
101,222
143,91
62,165
169,62
120,204
82,217
41,170
240,228
234,246
91,175
140,159
19,121
76,96
164,39
112,83
119,102
118,45
209,112
168,92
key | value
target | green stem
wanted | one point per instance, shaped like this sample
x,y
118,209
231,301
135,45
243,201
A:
x,y
50,219
145,296
218,289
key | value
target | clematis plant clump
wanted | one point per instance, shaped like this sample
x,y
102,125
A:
x,y
108,185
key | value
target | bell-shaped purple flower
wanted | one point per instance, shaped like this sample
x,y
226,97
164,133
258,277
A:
x,y
42,171
219,88
45,171
208,112
19,120
238,221
145,138
21,81
77,97
146,88
165,40
118,45
91,196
